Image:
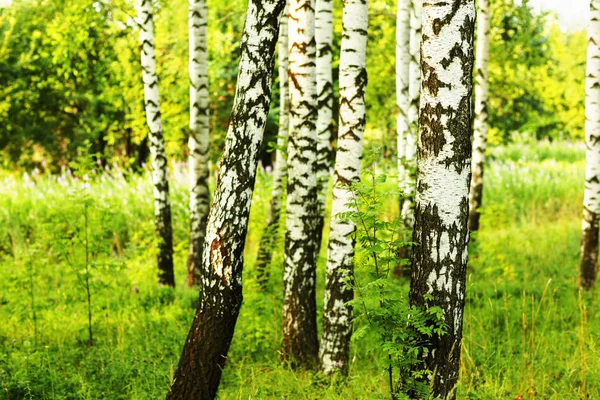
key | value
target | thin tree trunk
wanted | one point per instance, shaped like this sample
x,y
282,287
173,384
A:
x,y
269,236
402,89
410,150
198,141
162,207
444,163
300,345
481,112
591,197
205,350
337,316
324,39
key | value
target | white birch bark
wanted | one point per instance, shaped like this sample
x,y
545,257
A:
x,y
205,351
481,113
324,39
444,163
299,304
199,140
162,207
402,87
337,316
591,197
280,173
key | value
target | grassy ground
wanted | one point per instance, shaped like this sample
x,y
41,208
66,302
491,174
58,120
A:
x,y
528,330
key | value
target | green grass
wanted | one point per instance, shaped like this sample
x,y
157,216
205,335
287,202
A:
x,y
528,331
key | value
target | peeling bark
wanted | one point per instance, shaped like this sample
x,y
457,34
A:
x,y
444,163
160,181
300,344
591,196
205,350
481,112
199,140
337,316
269,236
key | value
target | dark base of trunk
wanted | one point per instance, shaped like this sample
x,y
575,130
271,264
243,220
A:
x,y
474,217
166,276
194,266
476,197
589,251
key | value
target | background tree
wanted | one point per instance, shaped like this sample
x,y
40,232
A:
x,y
481,112
267,240
441,206
300,343
402,93
162,208
591,199
199,139
337,315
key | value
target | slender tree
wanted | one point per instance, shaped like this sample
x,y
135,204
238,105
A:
x,y
162,207
444,167
414,89
324,39
300,344
591,197
270,234
205,350
337,316
481,112
198,140
402,89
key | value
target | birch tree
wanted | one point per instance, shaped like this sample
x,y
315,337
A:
x,y
199,139
402,89
444,163
481,113
337,316
279,175
324,39
591,196
160,181
205,350
299,305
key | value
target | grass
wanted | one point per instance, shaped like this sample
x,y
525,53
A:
x,y
528,332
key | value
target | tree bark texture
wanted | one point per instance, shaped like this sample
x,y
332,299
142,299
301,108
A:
x,y
162,207
324,39
199,140
402,87
205,350
444,162
481,112
337,316
300,345
269,236
591,196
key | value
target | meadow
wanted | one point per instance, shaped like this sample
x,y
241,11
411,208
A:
x,y
528,331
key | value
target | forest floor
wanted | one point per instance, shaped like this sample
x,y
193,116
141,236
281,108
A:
x,y
528,331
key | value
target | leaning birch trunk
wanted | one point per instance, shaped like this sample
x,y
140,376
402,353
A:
x,y
267,241
162,207
205,350
591,196
324,39
414,90
198,140
402,87
481,112
337,315
444,166
300,344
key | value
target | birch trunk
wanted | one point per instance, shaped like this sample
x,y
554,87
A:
x,y
267,241
444,163
324,39
337,316
205,350
162,207
198,140
402,89
414,92
481,112
591,197
300,344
